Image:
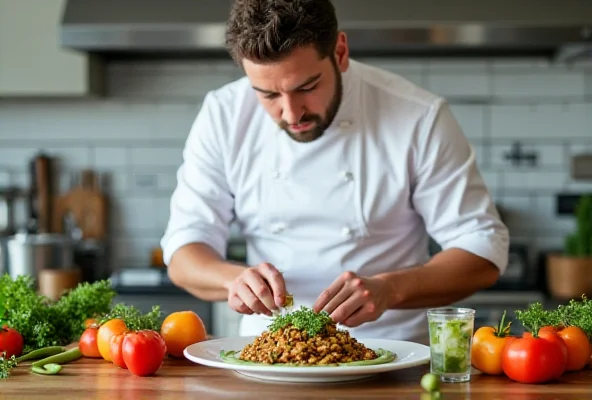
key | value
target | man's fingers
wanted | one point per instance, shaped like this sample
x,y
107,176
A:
x,y
260,289
276,282
328,294
337,299
364,314
247,296
239,306
345,310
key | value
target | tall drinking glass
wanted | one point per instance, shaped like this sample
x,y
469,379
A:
x,y
451,334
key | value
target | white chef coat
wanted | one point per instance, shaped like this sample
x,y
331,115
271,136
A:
x,y
393,168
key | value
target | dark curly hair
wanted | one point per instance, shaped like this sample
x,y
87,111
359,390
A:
x,y
268,30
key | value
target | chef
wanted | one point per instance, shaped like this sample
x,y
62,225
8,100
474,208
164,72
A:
x,y
338,174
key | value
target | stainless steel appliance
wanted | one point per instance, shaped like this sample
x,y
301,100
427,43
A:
x,y
180,28
28,254
8,196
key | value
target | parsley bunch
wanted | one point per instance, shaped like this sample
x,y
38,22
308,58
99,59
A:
x,y
42,322
304,319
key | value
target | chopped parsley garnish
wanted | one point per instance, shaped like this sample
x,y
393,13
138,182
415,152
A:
x,y
304,319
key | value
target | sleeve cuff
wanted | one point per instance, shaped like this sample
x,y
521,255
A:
x,y
206,235
493,248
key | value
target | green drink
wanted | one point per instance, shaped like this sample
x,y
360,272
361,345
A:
x,y
451,333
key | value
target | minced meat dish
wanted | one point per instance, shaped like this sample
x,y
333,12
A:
x,y
290,344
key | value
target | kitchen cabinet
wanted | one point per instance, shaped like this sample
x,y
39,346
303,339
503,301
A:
x,y
32,62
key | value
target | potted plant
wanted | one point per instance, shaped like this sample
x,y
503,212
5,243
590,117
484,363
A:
x,y
569,275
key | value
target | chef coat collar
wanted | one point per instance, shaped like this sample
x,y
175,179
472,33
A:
x,y
349,107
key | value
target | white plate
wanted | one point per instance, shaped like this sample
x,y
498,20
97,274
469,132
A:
x,y
409,354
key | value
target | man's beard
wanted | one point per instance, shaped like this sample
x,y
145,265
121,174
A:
x,y
321,124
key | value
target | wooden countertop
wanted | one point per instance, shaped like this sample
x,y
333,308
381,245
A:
x,y
182,379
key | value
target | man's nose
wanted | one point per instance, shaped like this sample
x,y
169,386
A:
x,y
292,110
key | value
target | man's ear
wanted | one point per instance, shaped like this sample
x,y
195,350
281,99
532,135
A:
x,y
342,52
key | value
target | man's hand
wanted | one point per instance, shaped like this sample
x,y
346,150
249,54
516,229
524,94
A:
x,y
260,290
353,300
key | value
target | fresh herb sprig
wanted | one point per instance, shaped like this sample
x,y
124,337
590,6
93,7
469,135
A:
x,y
134,318
6,365
304,319
575,313
534,317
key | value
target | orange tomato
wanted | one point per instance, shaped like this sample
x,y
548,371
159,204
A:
x,y
578,345
106,332
487,347
181,329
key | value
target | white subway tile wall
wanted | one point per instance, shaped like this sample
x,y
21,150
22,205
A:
x,y
135,135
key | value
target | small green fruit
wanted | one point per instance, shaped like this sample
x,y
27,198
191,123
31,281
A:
x,y
430,382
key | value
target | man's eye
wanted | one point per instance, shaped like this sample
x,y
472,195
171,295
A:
x,y
271,96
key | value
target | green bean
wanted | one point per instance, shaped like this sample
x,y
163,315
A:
x,y
41,353
62,358
47,369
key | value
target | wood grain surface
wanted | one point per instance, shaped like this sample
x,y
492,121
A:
x,y
182,379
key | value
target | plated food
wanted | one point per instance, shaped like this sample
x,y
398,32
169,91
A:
x,y
306,338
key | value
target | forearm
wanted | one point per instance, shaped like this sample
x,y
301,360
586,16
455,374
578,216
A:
x,y
198,269
449,276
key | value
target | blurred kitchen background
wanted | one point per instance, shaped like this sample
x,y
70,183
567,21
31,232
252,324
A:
x,y
94,112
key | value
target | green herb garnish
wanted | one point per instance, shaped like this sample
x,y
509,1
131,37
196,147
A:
x,y
6,365
134,319
304,319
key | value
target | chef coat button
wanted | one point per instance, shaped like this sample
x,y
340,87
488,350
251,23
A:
x,y
346,231
278,227
345,124
277,175
347,176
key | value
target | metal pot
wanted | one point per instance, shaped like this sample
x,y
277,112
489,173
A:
x,y
30,253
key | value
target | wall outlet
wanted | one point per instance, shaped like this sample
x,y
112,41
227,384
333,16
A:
x,y
581,167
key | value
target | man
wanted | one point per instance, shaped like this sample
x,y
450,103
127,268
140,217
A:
x,y
337,173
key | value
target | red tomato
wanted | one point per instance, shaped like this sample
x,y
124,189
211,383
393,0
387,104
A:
x,y
11,342
116,344
143,352
535,359
88,343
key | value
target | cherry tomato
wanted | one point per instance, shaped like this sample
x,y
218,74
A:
x,y
578,346
88,343
531,359
11,342
116,350
487,347
143,352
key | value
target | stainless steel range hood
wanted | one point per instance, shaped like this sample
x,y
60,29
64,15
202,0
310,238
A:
x,y
188,28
